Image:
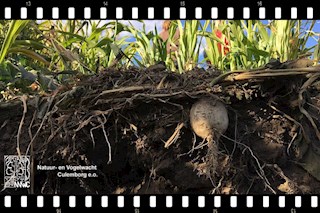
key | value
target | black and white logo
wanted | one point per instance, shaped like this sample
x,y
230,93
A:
x,y
16,171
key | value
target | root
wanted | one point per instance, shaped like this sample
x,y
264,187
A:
x,y
302,101
106,137
260,172
211,159
24,101
174,137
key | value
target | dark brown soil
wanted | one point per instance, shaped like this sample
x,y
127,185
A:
x,y
255,154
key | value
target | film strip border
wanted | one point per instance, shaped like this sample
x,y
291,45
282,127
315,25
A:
x,y
165,9
118,13
162,201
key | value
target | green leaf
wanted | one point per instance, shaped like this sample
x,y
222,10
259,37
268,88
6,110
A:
x,y
29,43
16,26
103,42
258,52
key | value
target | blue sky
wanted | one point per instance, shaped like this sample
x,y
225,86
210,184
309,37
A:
x,y
151,24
